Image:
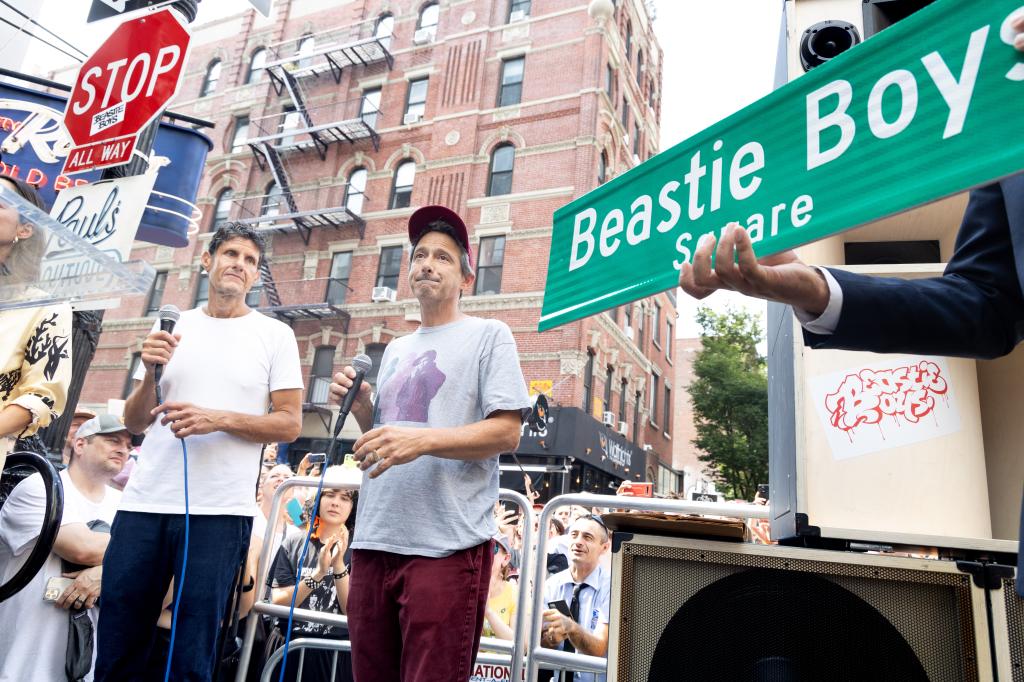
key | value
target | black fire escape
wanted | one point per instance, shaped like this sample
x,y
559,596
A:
x,y
298,128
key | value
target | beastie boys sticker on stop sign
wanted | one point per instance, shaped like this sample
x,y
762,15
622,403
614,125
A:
x,y
122,88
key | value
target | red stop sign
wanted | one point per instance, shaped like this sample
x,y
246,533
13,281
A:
x,y
128,80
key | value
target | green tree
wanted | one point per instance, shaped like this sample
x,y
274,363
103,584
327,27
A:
x,y
730,400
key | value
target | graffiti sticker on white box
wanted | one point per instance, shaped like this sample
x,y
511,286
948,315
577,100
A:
x,y
885,404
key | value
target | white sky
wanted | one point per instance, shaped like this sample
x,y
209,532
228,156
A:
x,y
719,57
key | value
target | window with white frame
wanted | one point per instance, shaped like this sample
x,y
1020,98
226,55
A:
x,y
211,79
355,191
257,65
489,265
416,101
401,192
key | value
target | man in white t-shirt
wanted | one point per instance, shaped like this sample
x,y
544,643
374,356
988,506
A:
x,y
34,638
231,382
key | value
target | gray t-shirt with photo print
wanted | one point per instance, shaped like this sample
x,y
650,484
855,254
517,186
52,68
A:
x,y
440,377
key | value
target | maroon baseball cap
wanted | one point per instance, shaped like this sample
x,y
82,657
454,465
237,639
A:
x,y
421,220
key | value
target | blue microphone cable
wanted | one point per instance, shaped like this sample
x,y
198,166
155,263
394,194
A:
x,y
298,569
184,565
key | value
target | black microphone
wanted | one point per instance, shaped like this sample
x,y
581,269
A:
x,y
361,364
169,315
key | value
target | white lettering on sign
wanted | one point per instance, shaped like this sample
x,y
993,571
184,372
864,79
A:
x,y
140,77
743,181
42,130
956,92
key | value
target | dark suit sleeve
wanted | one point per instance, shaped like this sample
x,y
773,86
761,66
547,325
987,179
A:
x,y
975,309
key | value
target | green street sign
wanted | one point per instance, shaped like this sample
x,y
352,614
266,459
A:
x,y
925,109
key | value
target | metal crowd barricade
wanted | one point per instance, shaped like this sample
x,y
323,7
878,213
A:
x,y
561,660
498,651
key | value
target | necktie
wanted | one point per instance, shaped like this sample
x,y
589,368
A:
x,y
574,612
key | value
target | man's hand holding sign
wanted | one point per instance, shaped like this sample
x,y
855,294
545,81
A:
x,y
976,309
782,277
915,114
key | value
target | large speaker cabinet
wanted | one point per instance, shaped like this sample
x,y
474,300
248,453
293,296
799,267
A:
x,y
707,610
959,487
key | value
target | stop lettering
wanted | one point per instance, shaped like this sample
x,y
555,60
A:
x,y
125,84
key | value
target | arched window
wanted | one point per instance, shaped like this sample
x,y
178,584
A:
x,y
355,192
428,15
426,27
602,168
271,204
306,46
212,76
500,179
384,29
257,64
401,192
223,207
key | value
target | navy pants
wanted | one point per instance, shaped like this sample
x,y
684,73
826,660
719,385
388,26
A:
x,y
145,550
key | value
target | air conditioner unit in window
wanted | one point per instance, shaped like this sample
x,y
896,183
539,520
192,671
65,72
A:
x,y
518,15
609,419
424,35
383,295
411,118
623,429
628,331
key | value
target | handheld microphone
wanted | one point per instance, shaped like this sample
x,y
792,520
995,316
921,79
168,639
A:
x,y
362,364
169,315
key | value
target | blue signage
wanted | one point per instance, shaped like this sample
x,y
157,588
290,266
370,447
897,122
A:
x,y
34,145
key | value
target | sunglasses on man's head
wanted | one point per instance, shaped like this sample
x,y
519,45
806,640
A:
x,y
596,519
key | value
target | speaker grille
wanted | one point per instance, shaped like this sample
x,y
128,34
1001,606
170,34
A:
x,y
930,610
1015,628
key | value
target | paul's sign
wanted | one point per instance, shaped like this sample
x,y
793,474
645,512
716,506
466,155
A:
x,y
35,145
925,109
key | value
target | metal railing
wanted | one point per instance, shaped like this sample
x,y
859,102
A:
x,y
349,120
561,660
334,48
508,653
315,206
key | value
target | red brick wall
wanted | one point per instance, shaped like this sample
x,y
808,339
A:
x,y
556,147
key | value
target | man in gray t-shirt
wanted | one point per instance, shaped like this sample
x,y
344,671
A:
x,y
450,398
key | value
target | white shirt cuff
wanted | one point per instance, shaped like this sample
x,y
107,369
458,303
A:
x,y
827,322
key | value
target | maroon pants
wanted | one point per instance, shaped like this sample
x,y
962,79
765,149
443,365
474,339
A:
x,y
417,619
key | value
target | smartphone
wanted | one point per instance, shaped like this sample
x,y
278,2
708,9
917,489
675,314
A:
x,y
561,606
762,490
294,509
55,587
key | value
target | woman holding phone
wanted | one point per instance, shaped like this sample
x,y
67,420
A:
x,y
323,580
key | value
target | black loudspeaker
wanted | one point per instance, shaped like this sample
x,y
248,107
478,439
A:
x,y
707,610
1008,629
881,14
825,40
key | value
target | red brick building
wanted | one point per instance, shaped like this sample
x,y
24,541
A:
x,y
335,120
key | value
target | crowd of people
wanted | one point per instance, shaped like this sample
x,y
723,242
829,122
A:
x,y
112,586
